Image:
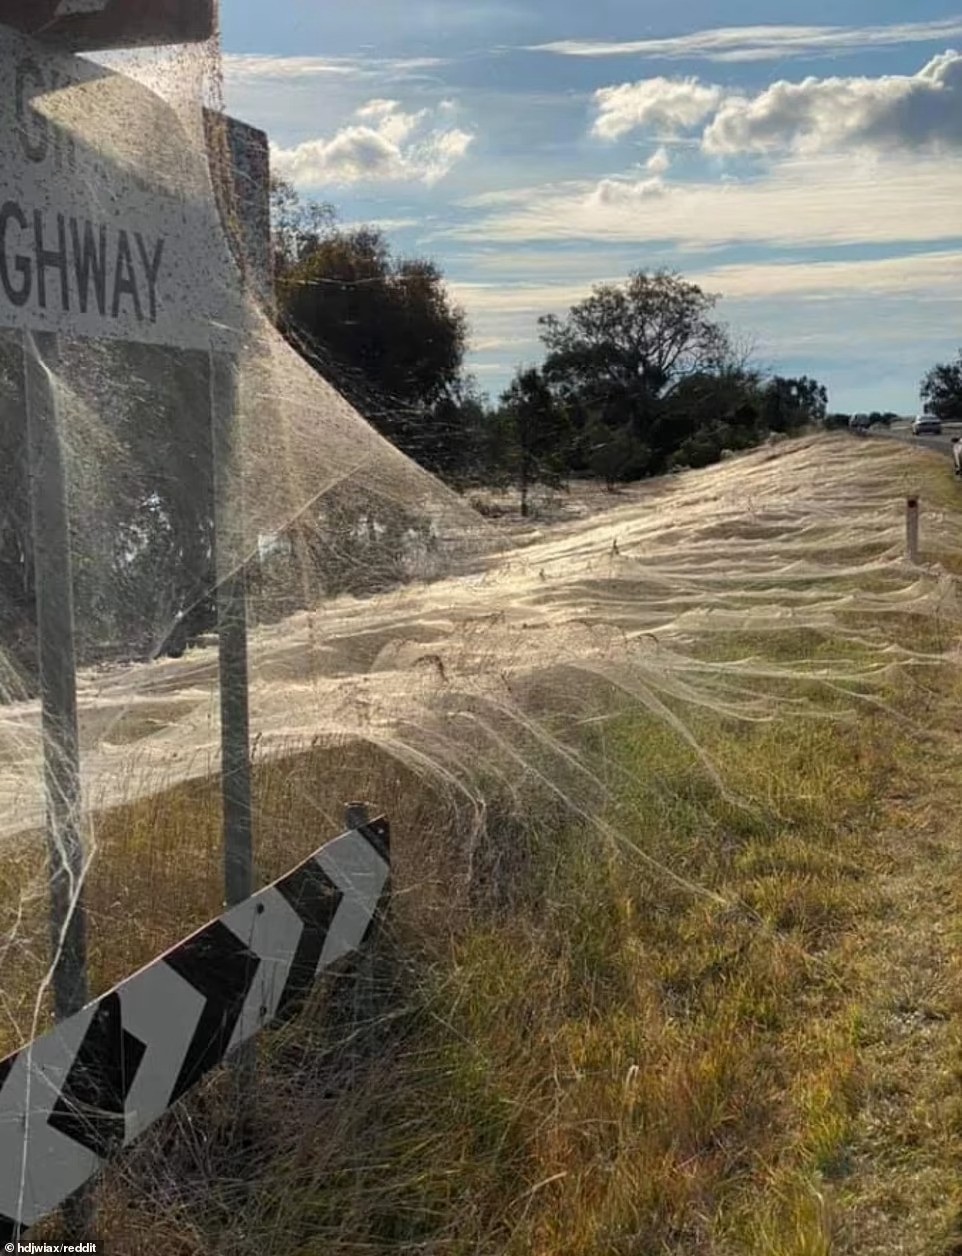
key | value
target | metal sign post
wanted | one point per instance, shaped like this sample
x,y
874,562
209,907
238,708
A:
x,y
155,270
58,683
231,632
230,574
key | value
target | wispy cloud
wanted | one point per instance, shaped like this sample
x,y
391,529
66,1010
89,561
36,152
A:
x,y
488,344
382,224
761,43
255,68
937,274
519,298
825,200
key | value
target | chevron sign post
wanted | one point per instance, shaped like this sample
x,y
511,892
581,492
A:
x,y
92,1085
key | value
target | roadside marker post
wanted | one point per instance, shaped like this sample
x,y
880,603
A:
x,y
912,508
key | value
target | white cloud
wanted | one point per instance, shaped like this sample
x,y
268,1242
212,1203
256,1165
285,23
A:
x,y
823,200
761,43
912,112
611,192
377,109
659,162
665,106
384,145
895,111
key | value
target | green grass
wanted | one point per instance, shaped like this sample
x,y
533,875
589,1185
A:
x,y
621,1064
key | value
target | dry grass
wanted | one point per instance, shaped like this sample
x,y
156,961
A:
x,y
731,1028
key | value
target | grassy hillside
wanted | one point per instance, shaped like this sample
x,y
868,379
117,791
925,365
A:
x,y
683,981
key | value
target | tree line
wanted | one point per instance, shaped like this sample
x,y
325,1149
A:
x,y
637,379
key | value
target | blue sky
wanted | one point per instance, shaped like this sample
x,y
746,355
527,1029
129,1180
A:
x,y
803,161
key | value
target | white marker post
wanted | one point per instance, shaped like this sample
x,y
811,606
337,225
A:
x,y
912,507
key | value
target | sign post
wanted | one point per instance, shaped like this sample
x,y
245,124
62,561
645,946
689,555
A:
x,y
106,236
231,632
58,682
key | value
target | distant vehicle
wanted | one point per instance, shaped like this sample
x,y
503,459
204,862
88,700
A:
x,y
859,423
926,425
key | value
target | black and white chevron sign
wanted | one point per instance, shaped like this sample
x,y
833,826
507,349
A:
x,y
95,1082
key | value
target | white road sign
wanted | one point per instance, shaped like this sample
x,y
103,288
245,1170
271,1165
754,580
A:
x,y
108,223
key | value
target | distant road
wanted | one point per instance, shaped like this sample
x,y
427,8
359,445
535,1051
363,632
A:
x,y
902,431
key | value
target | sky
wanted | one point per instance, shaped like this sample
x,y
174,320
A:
x,y
803,162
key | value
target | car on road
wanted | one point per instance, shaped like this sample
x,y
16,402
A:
x,y
926,425
859,423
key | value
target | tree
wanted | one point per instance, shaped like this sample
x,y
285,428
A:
x,y
629,346
382,330
790,404
615,455
455,444
941,390
535,432
731,396
296,227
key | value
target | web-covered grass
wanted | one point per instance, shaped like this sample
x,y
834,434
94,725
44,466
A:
x,y
640,781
